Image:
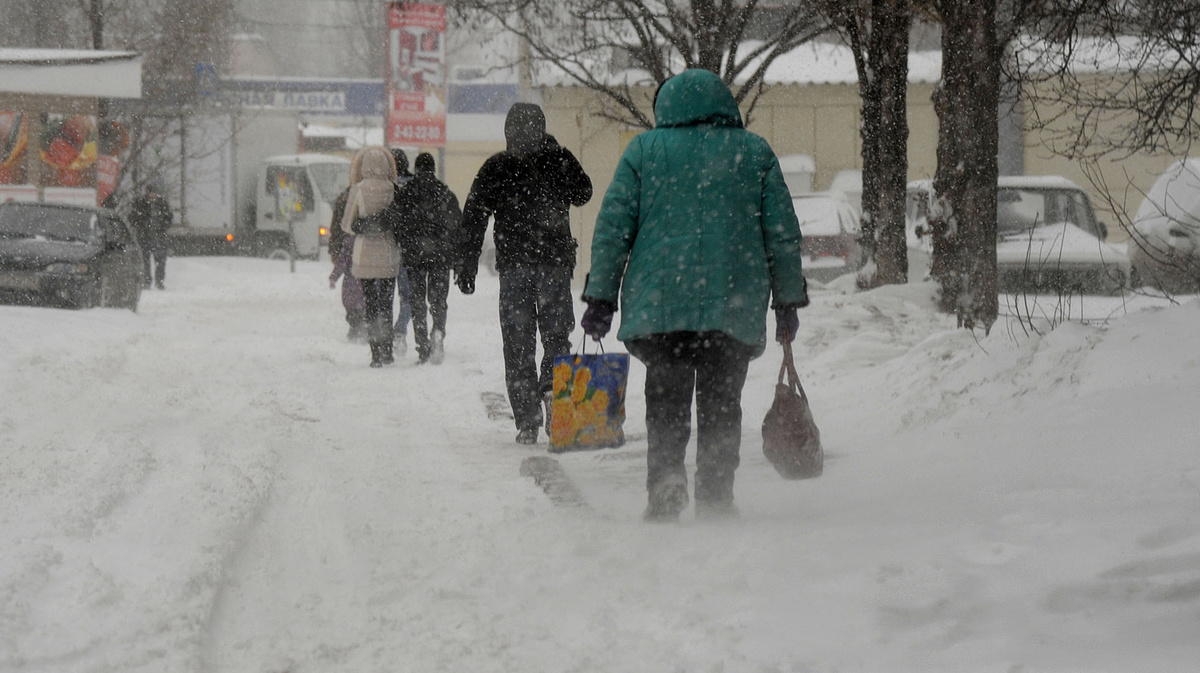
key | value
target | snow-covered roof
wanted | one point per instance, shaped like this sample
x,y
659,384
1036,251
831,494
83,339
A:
x,y
1036,182
810,63
820,62
1100,55
830,63
71,72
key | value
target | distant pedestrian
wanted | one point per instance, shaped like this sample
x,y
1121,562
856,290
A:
x,y
352,294
404,292
341,247
150,216
528,189
430,220
371,215
697,233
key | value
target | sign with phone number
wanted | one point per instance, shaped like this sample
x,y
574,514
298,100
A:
x,y
429,134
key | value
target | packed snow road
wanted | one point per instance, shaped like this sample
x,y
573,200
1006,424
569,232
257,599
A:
x,y
220,483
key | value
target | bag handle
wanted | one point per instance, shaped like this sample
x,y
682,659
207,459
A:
x,y
583,346
789,367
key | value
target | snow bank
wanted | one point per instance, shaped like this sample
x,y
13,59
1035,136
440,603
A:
x,y
220,483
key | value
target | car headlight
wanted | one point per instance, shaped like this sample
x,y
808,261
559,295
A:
x,y
65,267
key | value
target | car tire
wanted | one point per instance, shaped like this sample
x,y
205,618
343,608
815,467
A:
x,y
1135,279
88,295
1118,283
106,293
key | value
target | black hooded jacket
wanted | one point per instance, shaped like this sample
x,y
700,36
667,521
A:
x,y
528,189
429,222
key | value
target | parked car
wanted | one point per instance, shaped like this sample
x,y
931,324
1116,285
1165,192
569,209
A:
x,y
68,255
1164,246
830,227
1047,237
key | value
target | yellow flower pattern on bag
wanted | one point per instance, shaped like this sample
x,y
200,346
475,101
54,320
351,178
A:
x,y
588,406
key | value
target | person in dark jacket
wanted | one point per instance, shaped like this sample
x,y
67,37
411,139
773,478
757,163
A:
x,y
697,232
151,217
404,308
528,189
340,247
429,222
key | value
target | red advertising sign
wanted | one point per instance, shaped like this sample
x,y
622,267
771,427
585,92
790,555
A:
x,y
416,74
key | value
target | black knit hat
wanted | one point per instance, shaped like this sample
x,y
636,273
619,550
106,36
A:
x,y
401,161
424,163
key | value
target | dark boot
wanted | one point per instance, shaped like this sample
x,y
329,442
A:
x,y
376,354
668,497
385,352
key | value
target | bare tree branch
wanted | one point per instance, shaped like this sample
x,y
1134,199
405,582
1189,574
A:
x,y
611,46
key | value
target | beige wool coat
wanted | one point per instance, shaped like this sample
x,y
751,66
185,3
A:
x,y
373,188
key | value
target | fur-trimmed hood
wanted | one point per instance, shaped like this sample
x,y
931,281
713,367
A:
x,y
372,179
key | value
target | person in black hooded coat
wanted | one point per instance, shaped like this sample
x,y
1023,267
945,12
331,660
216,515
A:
x,y
430,218
528,189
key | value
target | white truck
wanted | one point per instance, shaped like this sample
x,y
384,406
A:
x,y
294,202
240,188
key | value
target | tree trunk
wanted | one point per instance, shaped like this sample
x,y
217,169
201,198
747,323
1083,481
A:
x,y
963,216
894,19
869,90
883,83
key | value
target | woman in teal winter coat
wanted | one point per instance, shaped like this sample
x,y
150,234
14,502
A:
x,y
698,236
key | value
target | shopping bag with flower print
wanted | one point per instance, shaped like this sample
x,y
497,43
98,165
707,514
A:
x,y
588,406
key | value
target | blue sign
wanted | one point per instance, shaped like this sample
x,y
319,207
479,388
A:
x,y
330,97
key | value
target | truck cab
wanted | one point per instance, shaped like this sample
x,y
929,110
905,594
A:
x,y
294,202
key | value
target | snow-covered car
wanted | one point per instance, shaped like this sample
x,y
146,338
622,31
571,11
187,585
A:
x,y
68,255
830,227
1164,246
1047,237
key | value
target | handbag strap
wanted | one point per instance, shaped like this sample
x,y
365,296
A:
x,y
789,367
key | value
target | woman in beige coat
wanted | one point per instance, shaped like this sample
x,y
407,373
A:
x,y
372,216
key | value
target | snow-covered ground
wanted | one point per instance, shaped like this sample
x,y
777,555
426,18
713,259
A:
x,y
220,483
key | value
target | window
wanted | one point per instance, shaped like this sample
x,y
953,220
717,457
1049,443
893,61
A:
x,y
290,182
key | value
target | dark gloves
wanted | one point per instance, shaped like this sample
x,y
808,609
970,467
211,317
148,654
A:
x,y
787,323
465,280
597,319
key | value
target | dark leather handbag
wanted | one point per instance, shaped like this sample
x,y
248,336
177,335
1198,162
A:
x,y
791,440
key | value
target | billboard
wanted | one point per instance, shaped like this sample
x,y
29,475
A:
x,y
416,74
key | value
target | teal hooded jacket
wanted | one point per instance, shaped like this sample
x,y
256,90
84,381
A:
x,y
697,231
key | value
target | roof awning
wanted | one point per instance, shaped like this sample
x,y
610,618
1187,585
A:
x,y
65,72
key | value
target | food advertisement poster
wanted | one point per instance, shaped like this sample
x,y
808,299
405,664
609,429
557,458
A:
x,y
14,141
68,148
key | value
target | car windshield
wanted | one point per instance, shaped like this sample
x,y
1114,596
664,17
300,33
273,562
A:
x,y
1018,210
49,222
332,179
818,216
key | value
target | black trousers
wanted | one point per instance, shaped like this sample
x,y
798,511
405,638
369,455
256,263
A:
x,y
712,365
428,289
377,295
157,250
533,299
